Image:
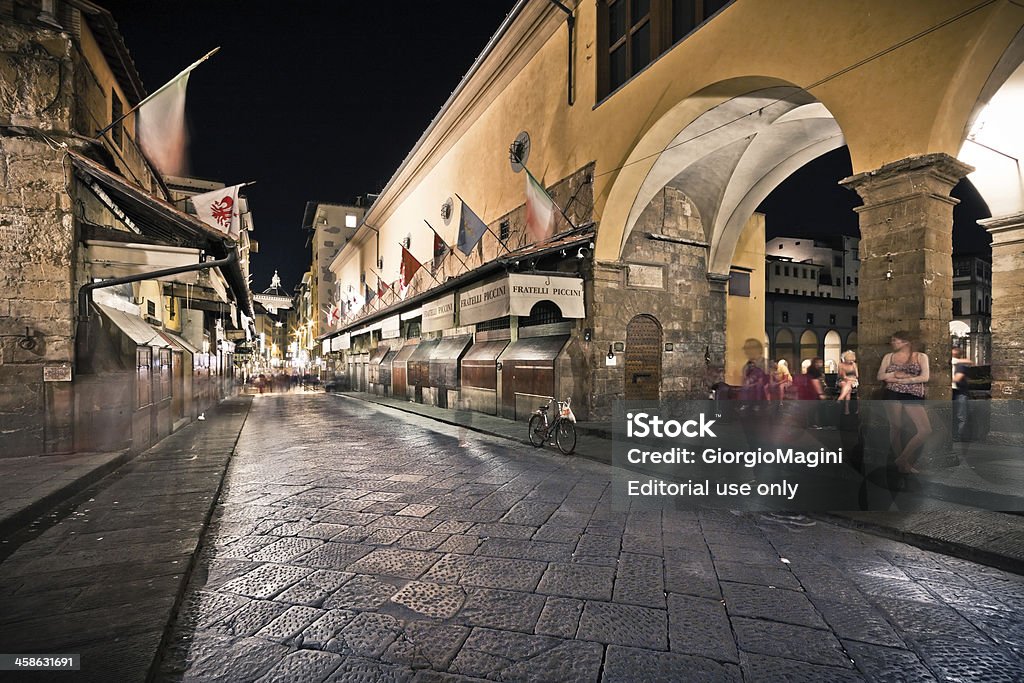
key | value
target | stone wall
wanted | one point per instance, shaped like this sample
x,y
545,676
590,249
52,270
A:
x,y
689,305
36,242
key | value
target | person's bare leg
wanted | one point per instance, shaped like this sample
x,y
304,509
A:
x,y
919,416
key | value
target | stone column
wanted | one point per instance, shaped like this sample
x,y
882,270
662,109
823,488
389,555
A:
x,y
1007,304
906,270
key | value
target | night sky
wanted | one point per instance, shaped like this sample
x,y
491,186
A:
x,y
322,100
315,100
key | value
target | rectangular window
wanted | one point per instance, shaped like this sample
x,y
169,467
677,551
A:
x,y
778,271
785,316
150,307
504,230
633,33
831,318
810,318
116,112
958,307
739,283
786,269
837,260
854,319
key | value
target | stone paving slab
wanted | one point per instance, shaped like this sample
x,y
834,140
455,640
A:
x,y
121,556
548,582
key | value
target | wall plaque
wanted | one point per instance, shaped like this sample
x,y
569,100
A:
x,y
56,373
647,277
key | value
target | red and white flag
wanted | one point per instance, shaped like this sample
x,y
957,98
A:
x,y
540,211
219,209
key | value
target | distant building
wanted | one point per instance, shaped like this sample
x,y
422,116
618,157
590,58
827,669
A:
x,y
809,267
971,327
271,340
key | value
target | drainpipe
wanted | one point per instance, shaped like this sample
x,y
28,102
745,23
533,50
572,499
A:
x,y
570,21
82,341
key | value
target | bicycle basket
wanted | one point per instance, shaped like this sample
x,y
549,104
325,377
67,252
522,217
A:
x,y
565,411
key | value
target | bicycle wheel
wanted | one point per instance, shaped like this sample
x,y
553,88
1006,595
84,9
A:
x,y
565,436
538,430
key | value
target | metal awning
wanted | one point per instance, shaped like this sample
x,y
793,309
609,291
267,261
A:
x,y
134,327
153,217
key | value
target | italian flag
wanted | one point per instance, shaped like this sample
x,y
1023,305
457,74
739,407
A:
x,y
540,211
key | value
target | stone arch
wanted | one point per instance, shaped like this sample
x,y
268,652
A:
x,y
727,146
785,346
808,345
833,348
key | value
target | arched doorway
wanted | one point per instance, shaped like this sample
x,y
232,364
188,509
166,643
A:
x,y
784,347
808,345
833,349
643,359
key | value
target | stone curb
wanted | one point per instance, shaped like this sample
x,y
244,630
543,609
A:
x,y
19,519
186,577
897,531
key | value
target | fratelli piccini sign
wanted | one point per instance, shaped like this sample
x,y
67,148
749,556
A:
x,y
517,294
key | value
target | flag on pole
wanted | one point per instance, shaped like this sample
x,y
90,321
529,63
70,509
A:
x,y
369,294
219,210
160,126
440,251
409,267
471,229
540,210
380,288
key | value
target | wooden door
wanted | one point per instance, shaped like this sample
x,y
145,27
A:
x,y
643,359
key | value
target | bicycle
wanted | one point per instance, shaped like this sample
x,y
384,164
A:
x,y
561,431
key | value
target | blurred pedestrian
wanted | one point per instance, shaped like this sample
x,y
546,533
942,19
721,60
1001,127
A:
x,y
960,394
905,373
849,378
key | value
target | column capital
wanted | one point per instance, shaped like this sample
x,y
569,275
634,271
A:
x,y
718,282
908,177
1005,230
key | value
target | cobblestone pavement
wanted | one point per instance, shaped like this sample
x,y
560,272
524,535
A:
x,y
353,543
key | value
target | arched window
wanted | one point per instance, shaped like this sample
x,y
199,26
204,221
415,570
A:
x,y
542,313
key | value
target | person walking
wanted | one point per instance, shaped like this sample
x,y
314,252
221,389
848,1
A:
x,y
905,373
960,394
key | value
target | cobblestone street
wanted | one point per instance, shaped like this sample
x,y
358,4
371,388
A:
x,y
356,543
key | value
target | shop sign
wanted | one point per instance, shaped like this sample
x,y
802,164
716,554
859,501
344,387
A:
x,y
485,302
391,328
527,290
439,314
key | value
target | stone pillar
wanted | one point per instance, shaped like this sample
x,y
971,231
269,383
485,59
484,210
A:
x,y
906,270
1007,304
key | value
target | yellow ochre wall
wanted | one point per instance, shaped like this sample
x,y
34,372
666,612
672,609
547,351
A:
x,y
744,316
915,99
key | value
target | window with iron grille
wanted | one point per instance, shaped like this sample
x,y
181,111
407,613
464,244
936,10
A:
x,y
504,230
542,313
496,324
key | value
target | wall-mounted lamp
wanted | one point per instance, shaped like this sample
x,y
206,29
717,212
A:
x,y
28,342
588,334
888,273
611,354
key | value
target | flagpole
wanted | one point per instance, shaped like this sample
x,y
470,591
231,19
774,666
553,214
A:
x,y
553,203
486,227
450,250
158,91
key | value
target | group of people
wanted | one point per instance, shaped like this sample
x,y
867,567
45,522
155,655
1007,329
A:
x,y
904,372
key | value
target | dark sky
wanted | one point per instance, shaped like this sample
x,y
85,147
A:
x,y
811,204
322,100
315,100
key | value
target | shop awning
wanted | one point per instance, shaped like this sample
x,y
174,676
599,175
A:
x,y
147,215
517,294
535,349
180,341
133,327
116,259
378,355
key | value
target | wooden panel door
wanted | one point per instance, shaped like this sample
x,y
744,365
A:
x,y
643,359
